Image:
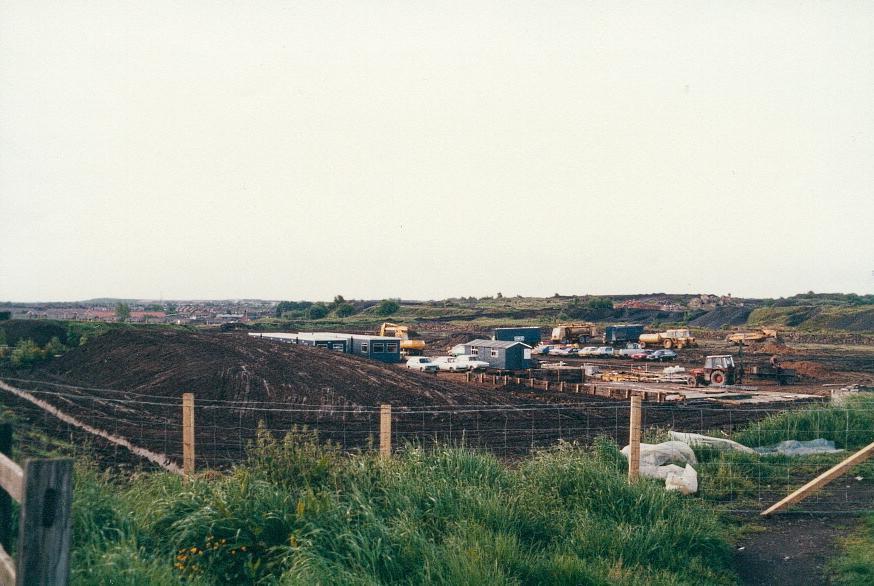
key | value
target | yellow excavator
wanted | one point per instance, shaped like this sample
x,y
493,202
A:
x,y
409,347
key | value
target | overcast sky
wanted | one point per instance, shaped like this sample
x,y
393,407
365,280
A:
x,y
297,150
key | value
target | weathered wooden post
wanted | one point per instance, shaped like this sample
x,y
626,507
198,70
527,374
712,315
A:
x,y
46,522
385,430
634,440
188,434
44,488
5,499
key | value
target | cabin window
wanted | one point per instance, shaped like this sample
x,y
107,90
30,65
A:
x,y
364,347
494,353
378,347
391,348
474,351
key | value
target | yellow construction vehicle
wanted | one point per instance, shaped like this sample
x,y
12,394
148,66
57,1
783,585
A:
x,y
576,333
409,346
753,337
680,338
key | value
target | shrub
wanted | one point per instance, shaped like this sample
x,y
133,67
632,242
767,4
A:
x,y
317,311
345,310
387,307
26,353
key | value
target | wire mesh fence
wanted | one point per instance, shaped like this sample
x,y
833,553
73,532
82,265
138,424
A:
x,y
122,426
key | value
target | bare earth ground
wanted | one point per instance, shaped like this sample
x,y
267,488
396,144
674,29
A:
x,y
792,549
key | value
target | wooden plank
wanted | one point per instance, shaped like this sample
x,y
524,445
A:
x,y
634,440
7,569
11,477
822,479
188,454
5,496
385,430
45,523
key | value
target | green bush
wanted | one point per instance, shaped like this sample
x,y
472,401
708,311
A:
x,y
345,310
387,307
317,311
26,353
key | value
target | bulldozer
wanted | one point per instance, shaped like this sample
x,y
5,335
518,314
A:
x,y
409,346
740,338
575,333
718,371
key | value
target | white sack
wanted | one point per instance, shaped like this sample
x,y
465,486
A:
x,y
686,482
653,458
664,453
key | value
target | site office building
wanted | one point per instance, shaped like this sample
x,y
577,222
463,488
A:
x,y
382,348
501,355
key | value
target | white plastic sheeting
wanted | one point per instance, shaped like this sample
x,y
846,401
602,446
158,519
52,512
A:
x,y
660,461
705,441
797,448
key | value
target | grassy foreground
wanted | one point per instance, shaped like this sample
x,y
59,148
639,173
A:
x,y
301,513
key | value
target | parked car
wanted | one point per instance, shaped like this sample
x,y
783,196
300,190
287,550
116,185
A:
x,y
542,349
471,362
422,363
563,351
450,364
604,352
641,354
662,355
588,351
630,350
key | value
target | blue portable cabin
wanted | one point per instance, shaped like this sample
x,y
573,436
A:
x,y
527,335
382,348
622,333
502,355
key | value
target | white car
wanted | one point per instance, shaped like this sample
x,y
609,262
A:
x,y
471,362
589,351
563,351
422,363
450,364
604,352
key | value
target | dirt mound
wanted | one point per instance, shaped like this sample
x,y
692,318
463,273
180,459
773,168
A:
x,y
721,316
243,369
808,369
775,348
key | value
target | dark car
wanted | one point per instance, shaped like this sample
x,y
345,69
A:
x,y
662,355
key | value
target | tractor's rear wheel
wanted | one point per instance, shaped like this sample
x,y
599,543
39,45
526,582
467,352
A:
x,y
669,344
717,377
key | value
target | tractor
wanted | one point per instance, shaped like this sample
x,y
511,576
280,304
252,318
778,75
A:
x,y
718,371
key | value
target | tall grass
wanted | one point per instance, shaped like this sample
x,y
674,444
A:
x,y
300,513
850,426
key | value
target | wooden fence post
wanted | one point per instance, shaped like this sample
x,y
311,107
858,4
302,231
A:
x,y
385,430
45,522
188,434
5,499
634,440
